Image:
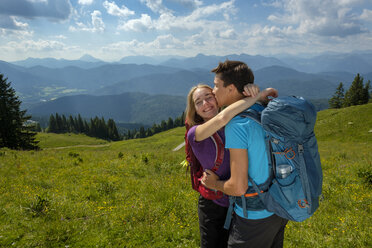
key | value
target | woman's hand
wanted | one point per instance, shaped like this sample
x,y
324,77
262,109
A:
x,y
266,95
209,179
251,90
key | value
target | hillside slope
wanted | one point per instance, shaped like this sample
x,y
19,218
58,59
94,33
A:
x,y
352,124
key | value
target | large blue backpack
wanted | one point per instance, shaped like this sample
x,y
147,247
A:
x,y
288,123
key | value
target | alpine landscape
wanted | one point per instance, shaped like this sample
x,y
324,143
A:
x,y
95,94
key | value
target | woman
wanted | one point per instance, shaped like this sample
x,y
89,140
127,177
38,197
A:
x,y
204,120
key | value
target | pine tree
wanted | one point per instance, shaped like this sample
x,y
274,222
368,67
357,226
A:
x,y
142,132
337,99
59,126
366,92
163,125
52,124
354,95
149,132
80,124
112,130
13,133
170,123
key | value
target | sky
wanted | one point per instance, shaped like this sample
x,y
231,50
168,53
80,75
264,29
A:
x,y
112,29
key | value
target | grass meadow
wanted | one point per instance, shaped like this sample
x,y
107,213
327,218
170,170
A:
x,y
83,192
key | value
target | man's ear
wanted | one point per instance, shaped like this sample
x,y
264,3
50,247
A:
x,y
232,89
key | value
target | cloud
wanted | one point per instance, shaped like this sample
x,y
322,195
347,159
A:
x,y
275,3
10,22
366,15
163,44
85,2
205,17
156,6
320,17
31,46
139,25
114,10
190,4
228,34
96,25
97,22
53,9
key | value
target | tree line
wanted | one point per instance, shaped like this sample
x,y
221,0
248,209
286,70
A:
x,y
357,94
156,128
96,127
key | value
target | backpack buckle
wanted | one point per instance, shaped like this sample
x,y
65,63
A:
x,y
300,148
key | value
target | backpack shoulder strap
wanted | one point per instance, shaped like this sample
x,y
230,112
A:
x,y
220,151
252,114
219,145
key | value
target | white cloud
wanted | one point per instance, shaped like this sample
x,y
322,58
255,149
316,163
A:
x,y
96,25
10,22
61,37
114,10
85,2
31,46
15,50
139,25
166,42
163,44
275,3
321,17
198,19
366,15
97,22
156,6
228,34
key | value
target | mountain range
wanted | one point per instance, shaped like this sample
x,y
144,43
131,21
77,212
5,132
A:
x,y
91,87
123,108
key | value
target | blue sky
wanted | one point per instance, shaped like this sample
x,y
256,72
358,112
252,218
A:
x,y
112,29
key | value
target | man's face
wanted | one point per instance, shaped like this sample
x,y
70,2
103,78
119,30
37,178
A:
x,y
220,92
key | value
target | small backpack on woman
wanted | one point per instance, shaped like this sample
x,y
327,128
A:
x,y
196,169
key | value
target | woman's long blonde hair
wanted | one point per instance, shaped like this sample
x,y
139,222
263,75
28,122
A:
x,y
192,117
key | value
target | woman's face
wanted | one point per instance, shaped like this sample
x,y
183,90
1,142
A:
x,y
205,103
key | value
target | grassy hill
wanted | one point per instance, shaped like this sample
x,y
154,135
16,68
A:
x,y
135,193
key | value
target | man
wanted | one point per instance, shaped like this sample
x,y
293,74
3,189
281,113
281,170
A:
x,y
245,141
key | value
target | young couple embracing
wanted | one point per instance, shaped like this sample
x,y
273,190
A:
x,y
245,153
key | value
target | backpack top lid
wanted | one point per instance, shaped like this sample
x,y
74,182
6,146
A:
x,y
291,117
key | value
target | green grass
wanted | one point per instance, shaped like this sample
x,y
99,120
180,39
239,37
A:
x,y
52,140
135,193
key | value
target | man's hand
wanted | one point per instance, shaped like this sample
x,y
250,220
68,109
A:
x,y
209,179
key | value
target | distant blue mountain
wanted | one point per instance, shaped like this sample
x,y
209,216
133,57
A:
x,y
42,83
350,62
210,62
176,83
89,58
126,107
152,60
86,62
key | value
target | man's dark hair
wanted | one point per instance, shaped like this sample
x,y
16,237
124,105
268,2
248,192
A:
x,y
234,72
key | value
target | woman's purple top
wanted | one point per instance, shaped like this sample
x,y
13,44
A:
x,y
205,152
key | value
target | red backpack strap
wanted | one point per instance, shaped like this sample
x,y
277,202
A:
x,y
220,151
